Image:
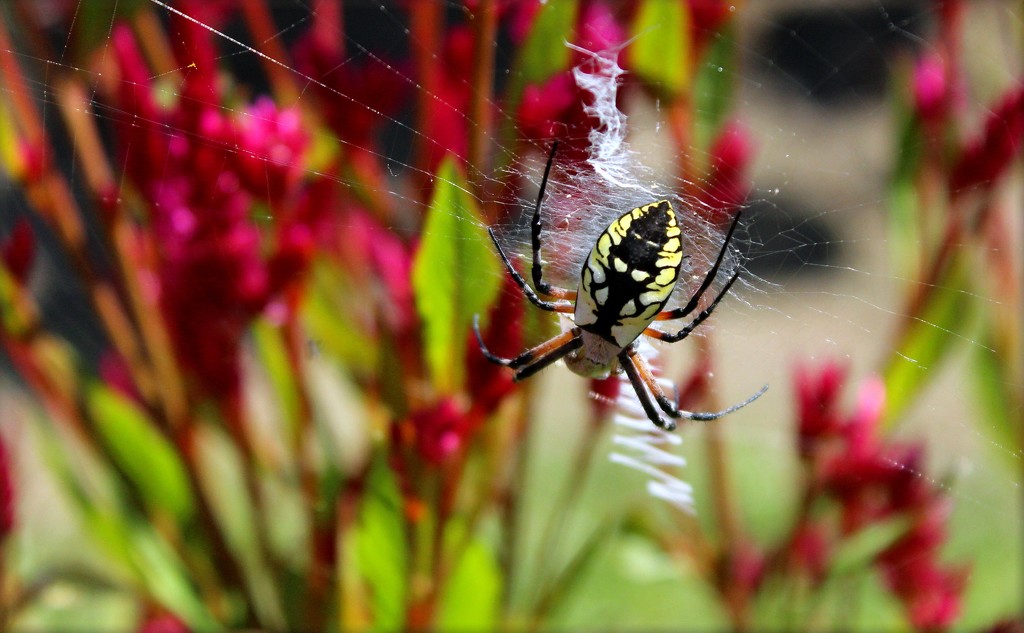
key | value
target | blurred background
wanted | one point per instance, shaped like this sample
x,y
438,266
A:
x,y
237,394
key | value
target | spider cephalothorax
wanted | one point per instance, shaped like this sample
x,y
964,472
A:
x,y
624,285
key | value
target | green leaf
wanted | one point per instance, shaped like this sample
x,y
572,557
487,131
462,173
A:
x,y
713,86
167,580
904,208
274,357
661,52
993,387
470,599
455,275
928,340
334,323
12,155
9,314
544,52
141,451
859,550
380,547
561,589
93,21
127,540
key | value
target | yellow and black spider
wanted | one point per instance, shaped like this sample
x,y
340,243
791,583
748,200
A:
x,y
625,282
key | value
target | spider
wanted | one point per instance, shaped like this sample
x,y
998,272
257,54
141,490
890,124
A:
x,y
625,282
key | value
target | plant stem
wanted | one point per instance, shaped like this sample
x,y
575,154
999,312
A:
x,y
265,38
547,554
726,515
425,21
511,500
485,28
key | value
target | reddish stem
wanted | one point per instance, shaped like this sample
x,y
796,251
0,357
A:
x,y
425,22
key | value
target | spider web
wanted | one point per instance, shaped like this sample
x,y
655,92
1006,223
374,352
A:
x,y
814,87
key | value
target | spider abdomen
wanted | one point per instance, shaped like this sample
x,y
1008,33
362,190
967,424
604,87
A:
x,y
630,273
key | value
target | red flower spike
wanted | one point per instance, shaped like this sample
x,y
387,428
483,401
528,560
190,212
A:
x,y
811,550
727,184
873,481
748,567
35,162
695,386
271,143
604,392
542,107
373,92
598,30
708,17
197,56
18,249
116,375
522,15
930,594
440,431
391,260
6,492
165,623
295,248
986,158
817,402
861,428
488,383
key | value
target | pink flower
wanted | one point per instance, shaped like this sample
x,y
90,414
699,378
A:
x,y
930,88
217,269
554,109
271,143
384,262
873,480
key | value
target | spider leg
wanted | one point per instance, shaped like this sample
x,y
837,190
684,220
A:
x,y
536,358
551,306
494,358
679,313
555,349
705,416
535,226
704,314
635,365
640,386
632,357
